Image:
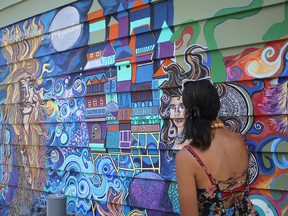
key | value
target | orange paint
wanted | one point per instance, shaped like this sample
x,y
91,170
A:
x,y
113,127
113,33
95,16
139,5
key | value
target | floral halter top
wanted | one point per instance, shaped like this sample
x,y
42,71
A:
x,y
212,199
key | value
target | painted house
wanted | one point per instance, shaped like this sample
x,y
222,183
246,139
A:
x,y
103,76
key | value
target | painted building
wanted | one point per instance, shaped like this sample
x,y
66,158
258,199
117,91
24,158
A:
x,y
91,107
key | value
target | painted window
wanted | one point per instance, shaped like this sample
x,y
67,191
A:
x,y
125,139
96,131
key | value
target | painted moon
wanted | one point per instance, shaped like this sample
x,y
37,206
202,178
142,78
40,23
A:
x,y
65,28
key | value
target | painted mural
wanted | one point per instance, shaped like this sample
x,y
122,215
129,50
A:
x,y
91,105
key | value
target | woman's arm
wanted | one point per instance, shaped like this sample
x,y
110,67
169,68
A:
x,y
186,184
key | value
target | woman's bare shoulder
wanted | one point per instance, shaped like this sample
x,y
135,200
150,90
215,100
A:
x,y
233,137
184,158
182,155
229,154
230,142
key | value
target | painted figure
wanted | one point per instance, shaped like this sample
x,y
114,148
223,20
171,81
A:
x,y
23,111
171,109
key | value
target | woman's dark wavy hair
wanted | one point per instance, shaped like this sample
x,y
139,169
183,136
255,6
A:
x,y
201,100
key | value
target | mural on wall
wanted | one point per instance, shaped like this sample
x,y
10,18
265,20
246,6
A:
x,y
91,103
41,112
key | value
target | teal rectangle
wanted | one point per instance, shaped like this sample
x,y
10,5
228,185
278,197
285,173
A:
x,y
97,26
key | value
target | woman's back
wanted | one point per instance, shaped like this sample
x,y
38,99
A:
x,y
221,175
227,156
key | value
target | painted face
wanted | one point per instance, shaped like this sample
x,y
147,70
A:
x,y
177,111
26,95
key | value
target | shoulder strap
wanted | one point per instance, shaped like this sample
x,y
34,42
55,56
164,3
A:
x,y
198,159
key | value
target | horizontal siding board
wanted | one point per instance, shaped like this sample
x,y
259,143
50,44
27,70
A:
x,y
61,40
49,66
4,4
81,9
199,11
30,4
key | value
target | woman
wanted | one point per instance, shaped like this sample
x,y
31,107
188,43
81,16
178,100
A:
x,y
212,171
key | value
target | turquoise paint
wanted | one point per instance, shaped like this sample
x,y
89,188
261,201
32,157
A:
x,y
141,22
100,25
124,71
165,34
